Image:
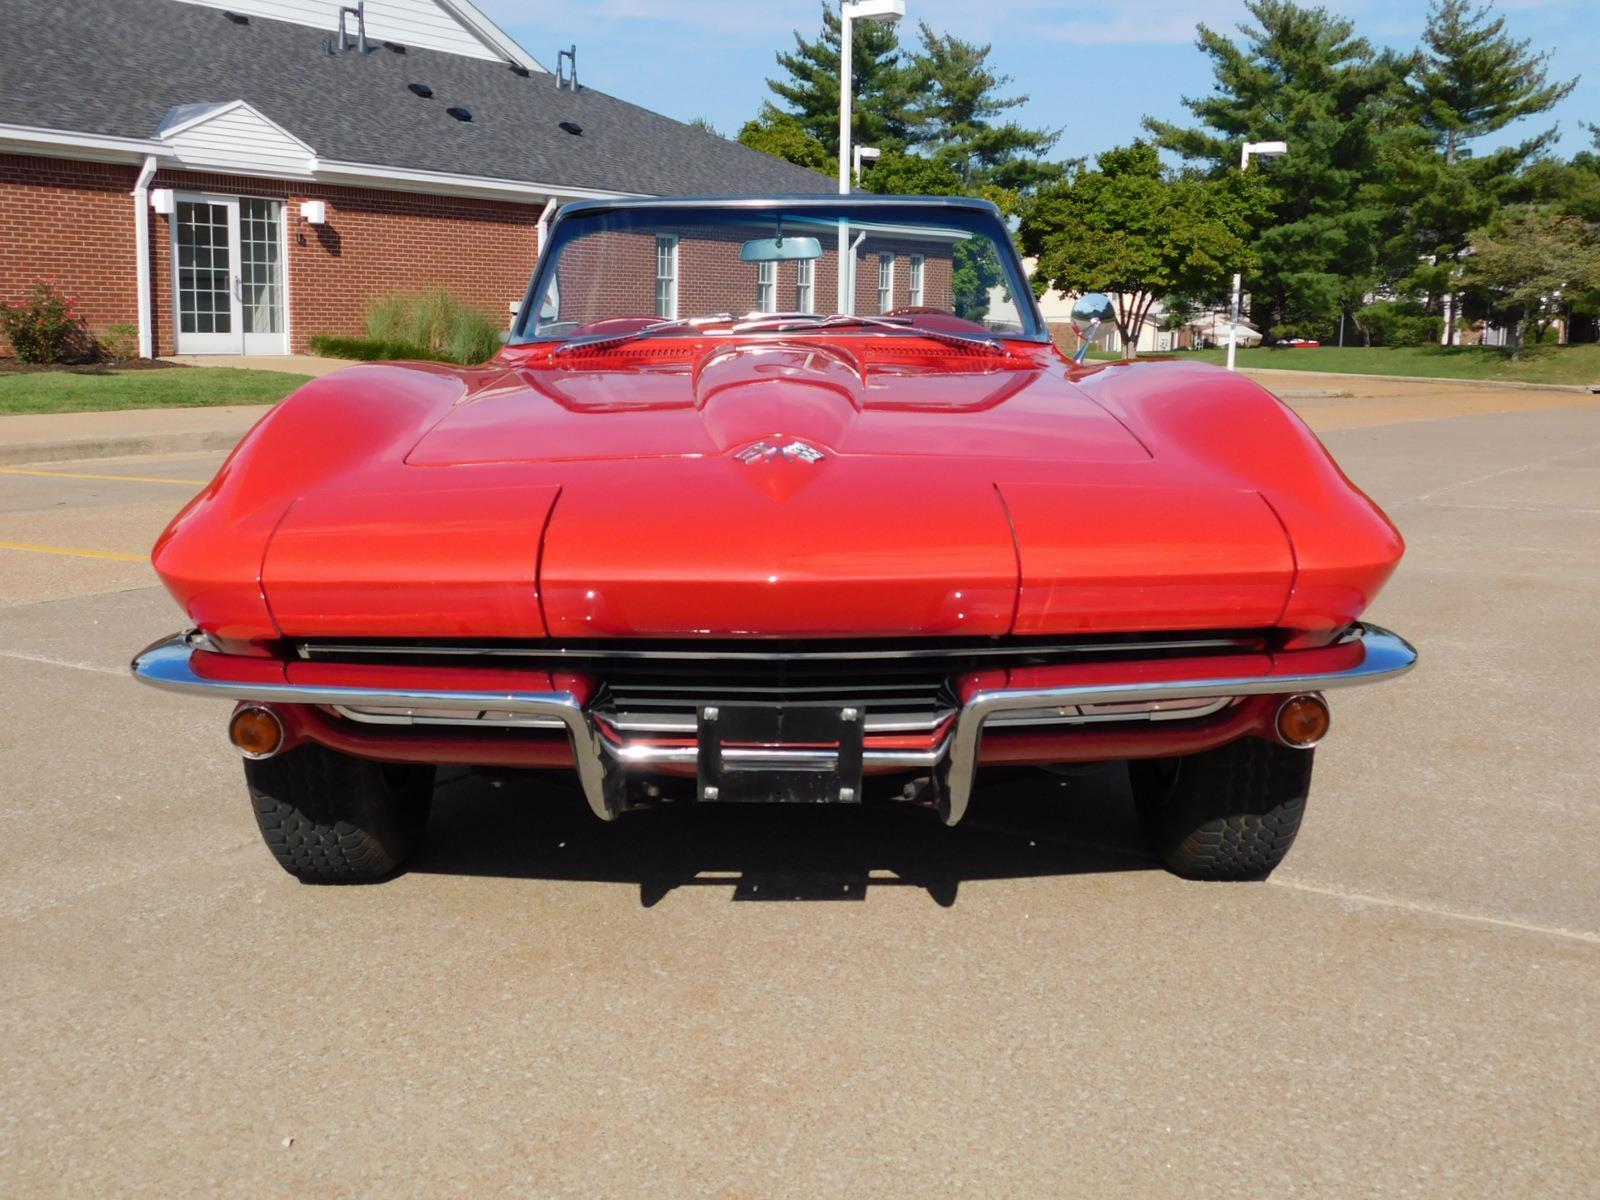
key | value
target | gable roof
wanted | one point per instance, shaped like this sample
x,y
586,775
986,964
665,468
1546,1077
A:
x,y
117,68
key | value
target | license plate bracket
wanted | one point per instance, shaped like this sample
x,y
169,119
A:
x,y
808,753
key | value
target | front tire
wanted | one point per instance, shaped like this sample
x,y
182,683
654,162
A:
x,y
333,818
1225,814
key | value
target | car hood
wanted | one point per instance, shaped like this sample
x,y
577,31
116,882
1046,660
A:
x,y
903,401
778,491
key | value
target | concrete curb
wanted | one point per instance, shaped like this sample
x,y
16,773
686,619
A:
x,y
118,447
59,437
1580,388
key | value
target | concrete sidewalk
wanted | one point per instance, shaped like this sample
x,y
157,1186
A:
x,y
57,437
292,364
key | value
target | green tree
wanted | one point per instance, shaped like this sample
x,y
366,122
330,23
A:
x,y
1301,75
957,117
1475,79
900,174
1130,230
783,136
1471,79
809,87
1527,267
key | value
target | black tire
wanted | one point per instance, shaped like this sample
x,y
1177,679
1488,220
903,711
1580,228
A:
x,y
1225,814
332,818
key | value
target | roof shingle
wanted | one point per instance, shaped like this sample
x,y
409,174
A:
x,y
117,67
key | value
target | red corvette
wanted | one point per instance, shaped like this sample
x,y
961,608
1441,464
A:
x,y
777,500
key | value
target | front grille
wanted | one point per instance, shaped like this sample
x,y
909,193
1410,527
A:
x,y
661,698
648,689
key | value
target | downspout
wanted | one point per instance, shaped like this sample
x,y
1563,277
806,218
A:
x,y
544,221
141,243
850,262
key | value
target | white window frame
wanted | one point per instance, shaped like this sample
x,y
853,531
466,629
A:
x,y
766,287
805,285
885,281
914,278
667,276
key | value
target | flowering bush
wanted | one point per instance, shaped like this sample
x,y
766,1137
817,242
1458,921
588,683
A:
x,y
44,327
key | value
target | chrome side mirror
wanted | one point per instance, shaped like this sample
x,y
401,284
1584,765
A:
x,y
1093,318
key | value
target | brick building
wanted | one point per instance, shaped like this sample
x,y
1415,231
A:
x,y
697,270
234,176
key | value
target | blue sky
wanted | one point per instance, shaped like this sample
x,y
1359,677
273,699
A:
x,y
1092,75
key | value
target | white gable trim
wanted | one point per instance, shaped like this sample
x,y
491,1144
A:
x,y
60,143
448,26
233,135
411,180
491,34
167,132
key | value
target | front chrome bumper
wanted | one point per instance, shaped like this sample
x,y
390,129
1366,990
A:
x,y
168,665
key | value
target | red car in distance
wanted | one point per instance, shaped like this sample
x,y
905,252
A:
x,y
783,499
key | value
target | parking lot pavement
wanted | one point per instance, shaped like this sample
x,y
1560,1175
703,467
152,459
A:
x,y
1022,1005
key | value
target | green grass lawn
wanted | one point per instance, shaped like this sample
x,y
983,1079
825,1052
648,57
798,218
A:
x,y
1538,364
99,389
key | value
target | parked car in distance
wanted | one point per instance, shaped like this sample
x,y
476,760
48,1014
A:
x,y
777,500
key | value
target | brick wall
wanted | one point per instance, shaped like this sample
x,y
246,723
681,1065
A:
x,y
72,221
374,242
75,221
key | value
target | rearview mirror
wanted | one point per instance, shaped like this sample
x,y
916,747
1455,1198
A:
x,y
783,249
1093,318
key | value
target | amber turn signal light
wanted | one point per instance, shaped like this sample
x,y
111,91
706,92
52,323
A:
x,y
1303,721
256,732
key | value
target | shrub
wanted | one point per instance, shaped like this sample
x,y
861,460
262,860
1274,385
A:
x,y
370,349
386,319
119,343
1398,323
474,337
437,322
44,327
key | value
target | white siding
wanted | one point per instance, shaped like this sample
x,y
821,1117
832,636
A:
x,y
240,139
425,24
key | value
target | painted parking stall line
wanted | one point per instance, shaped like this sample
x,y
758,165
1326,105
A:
x,y
73,552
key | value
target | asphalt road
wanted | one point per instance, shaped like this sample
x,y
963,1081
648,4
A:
x,y
1021,1006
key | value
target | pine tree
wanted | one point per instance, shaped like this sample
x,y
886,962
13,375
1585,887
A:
x,y
1472,79
1302,76
810,86
1475,79
955,113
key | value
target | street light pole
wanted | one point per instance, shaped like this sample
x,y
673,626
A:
x,y
851,11
1263,150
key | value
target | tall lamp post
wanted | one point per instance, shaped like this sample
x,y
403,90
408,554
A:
x,y
1260,150
851,11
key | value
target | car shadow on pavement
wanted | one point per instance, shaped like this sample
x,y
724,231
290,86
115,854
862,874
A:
x,y
1022,826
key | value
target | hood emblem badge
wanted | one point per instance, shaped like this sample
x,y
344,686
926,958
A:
x,y
795,451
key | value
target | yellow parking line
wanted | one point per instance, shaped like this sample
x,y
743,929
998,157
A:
x,y
113,478
73,552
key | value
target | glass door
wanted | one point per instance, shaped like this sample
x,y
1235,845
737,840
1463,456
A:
x,y
261,276
228,267
208,311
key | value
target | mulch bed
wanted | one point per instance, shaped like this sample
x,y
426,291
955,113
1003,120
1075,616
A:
x,y
10,366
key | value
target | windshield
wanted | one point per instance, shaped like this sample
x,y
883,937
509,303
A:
x,y
713,269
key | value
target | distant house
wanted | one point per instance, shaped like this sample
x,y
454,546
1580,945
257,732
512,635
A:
x,y
1153,337
233,176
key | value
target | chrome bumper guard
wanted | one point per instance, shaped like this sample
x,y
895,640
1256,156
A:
x,y
166,665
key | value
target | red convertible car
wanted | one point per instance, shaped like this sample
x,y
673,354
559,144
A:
x,y
784,499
